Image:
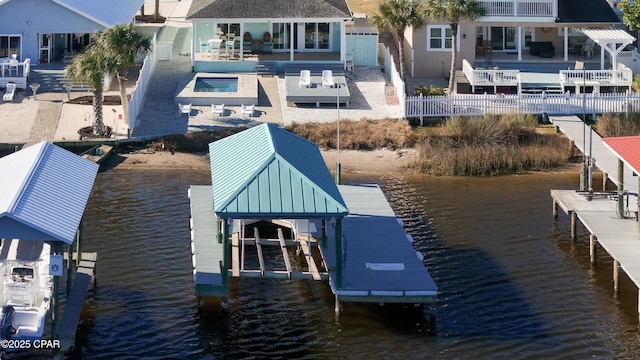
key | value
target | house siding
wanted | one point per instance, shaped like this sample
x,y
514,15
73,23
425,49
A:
x,y
437,63
32,17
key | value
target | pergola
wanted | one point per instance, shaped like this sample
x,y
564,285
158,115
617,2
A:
x,y
612,41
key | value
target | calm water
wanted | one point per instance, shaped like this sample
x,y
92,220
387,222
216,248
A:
x,y
513,285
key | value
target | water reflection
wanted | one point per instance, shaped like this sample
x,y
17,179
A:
x,y
512,285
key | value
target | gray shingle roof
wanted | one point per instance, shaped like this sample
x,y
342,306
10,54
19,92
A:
x,y
272,9
586,11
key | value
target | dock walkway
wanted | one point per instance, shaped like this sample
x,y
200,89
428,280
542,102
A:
x,y
380,263
574,128
75,300
207,253
618,236
612,225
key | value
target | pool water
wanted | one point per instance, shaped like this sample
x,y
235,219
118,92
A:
x,y
216,84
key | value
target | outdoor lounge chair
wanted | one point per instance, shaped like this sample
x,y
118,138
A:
x,y
578,66
217,109
267,45
246,43
327,78
184,109
305,78
9,92
247,109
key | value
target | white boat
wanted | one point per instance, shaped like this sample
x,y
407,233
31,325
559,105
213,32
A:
x,y
26,289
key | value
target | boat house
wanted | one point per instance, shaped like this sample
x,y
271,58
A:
x,y
272,188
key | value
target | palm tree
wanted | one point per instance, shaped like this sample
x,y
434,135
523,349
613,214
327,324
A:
x,y
123,43
156,13
398,15
452,11
89,67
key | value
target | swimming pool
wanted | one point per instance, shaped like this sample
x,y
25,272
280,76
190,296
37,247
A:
x,y
204,89
216,84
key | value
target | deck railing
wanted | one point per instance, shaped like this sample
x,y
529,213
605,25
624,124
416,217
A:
x,y
620,77
517,8
536,104
489,77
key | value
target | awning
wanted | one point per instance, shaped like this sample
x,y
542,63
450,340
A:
x,y
611,40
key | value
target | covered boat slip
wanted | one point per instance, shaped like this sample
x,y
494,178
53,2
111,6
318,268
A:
x,y
380,263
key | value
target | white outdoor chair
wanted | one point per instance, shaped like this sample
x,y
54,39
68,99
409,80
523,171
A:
x,y
247,109
13,65
14,56
327,78
204,46
217,109
184,109
305,78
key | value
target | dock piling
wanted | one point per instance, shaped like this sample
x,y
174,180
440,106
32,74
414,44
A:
x,y
573,225
616,276
592,248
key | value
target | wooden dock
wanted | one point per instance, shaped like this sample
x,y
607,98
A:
x,y
618,236
207,253
380,263
85,273
575,129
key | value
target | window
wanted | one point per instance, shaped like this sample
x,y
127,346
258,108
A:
x,y
9,45
439,37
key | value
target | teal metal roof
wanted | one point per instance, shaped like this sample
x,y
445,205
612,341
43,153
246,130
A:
x,y
268,172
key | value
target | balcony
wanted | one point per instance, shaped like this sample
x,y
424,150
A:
x,y
533,9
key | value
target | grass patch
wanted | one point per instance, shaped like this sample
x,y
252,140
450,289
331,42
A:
x,y
359,135
614,125
490,145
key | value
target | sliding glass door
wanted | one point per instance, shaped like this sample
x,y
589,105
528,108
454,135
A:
x,y
503,38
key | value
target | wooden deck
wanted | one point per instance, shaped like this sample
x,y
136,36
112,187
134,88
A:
x,y
207,253
380,264
75,300
620,237
606,161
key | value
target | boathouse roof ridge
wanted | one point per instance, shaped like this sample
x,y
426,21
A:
x,y
45,195
269,172
627,149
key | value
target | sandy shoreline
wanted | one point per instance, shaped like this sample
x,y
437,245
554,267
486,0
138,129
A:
x,y
352,161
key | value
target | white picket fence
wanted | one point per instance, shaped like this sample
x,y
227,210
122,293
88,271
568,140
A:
x,y
537,104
